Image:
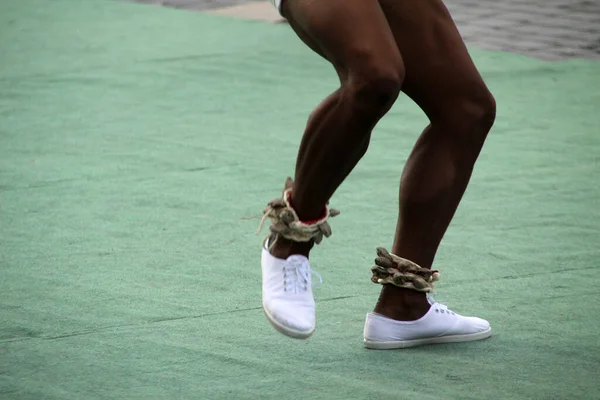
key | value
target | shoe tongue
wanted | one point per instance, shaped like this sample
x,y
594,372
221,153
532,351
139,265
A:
x,y
297,259
430,299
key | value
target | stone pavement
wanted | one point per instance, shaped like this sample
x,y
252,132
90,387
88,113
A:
x,y
545,29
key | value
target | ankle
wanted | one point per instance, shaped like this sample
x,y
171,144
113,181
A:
x,y
284,248
402,304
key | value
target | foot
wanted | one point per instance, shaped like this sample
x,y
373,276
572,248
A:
x,y
438,325
287,296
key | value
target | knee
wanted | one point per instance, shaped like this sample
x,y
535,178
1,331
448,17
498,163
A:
x,y
483,113
471,117
372,89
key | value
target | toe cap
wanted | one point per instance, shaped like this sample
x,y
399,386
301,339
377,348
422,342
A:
x,y
299,319
474,325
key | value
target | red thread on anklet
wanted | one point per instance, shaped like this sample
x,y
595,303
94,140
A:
x,y
314,221
309,222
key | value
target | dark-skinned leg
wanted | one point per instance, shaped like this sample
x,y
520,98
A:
x,y
442,79
355,38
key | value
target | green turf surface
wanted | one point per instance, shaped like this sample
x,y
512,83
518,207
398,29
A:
x,y
138,143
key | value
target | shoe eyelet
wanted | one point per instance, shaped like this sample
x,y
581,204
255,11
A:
x,y
437,311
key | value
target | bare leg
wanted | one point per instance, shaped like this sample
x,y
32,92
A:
x,y
356,38
442,79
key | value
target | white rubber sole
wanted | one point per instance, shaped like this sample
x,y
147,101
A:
x,y
286,330
402,344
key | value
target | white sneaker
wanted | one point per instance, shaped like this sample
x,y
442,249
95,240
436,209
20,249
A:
x,y
439,325
287,296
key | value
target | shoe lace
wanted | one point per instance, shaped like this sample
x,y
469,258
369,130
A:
x,y
297,276
439,306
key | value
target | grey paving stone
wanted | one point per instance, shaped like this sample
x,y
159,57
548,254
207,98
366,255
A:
x,y
546,29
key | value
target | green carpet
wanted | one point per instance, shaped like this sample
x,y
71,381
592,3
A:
x,y
137,146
